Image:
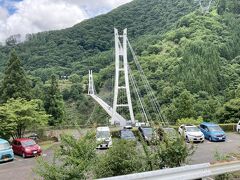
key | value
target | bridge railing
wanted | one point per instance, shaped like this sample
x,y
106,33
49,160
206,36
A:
x,y
188,172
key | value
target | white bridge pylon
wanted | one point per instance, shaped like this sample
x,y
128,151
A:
x,y
121,68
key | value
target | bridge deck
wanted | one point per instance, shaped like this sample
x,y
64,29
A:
x,y
109,110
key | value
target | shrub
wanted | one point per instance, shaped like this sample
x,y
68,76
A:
x,y
74,159
121,159
168,154
228,127
190,121
116,133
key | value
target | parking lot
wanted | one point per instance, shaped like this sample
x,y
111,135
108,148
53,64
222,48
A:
x,y
206,151
21,169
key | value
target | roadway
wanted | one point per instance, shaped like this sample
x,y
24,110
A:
x,y
21,169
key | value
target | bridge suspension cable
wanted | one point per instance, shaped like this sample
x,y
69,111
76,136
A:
x,y
152,97
142,109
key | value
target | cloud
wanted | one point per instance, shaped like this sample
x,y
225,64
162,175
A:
x,y
32,16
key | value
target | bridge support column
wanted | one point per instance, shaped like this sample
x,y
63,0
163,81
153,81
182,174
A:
x,y
121,65
90,83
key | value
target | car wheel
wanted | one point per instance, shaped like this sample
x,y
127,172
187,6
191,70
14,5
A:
x,y
187,139
23,155
238,130
210,138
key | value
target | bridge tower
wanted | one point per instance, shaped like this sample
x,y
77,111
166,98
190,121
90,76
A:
x,y
121,68
90,84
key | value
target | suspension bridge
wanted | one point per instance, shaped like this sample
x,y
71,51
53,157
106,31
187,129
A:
x,y
122,92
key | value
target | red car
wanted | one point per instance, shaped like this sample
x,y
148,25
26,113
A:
x,y
26,147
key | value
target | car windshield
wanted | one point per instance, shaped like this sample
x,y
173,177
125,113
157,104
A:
x,y
103,134
127,135
4,146
148,131
214,128
192,129
28,143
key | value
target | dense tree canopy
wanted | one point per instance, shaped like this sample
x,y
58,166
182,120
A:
x,y
17,115
53,102
15,83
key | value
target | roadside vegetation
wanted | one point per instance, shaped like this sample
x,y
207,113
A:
x,y
79,159
72,160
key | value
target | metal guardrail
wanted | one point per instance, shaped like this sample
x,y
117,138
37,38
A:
x,y
188,172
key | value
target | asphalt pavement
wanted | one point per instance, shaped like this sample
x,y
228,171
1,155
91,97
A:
x,y
20,168
205,152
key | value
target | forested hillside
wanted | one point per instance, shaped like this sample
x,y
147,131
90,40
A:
x,y
80,47
194,67
191,59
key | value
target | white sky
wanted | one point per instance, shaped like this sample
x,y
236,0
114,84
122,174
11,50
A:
x,y
31,16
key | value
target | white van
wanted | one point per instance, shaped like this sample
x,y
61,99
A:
x,y
238,127
103,137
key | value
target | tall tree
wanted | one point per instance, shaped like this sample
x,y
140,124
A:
x,y
15,83
53,102
17,115
184,105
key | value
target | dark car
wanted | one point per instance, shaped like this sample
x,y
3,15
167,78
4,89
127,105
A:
x,y
127,135
34,137
26,147
147,133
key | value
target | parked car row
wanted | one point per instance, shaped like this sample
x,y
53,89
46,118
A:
x,y
104,138
191,133
26,147
206,130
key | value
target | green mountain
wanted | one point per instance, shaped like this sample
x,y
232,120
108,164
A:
x,y
194,67
191,59
87,44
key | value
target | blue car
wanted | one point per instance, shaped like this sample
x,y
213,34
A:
x,y
6,152
212,131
